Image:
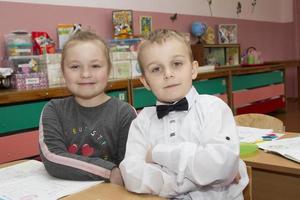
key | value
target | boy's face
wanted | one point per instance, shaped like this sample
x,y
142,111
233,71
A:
x,y
86,72
168,70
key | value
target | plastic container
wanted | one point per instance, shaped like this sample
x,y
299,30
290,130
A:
x,y
18,44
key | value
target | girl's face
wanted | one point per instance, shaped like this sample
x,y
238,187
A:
x,y
86,72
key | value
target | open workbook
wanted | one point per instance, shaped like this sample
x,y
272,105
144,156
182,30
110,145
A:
x,y
289,147
29,180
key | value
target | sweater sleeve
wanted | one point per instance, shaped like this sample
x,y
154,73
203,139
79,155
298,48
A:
x,y
127,114
210,162
56,157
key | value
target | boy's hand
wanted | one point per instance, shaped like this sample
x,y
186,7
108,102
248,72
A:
x,y
149,156
237,178
116,177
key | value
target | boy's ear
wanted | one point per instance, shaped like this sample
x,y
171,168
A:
x,y
195,66
145,83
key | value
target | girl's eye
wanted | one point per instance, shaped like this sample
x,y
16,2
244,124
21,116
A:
x,y
74,67
96,66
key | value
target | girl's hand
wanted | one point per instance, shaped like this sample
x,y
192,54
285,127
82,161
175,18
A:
x,y
149,156
116,177
237,178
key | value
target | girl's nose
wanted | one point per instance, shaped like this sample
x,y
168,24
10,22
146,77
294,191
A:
x,y
85,72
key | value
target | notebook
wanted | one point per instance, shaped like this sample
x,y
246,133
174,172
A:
x,y
29,180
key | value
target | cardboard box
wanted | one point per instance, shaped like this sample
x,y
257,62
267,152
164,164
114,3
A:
x,y
30,81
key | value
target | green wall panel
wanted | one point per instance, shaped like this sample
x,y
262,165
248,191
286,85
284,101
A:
x,y
22,116
143,97
210,86
256,80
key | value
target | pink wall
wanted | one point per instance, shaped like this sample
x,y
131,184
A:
x,y
275,40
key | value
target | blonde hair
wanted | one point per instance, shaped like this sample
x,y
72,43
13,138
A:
x,y
160,36
85,36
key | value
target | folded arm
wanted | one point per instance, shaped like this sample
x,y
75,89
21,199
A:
x,y
142,177
213,161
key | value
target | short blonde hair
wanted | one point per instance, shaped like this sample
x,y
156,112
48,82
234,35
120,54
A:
x,y
85,36
160,36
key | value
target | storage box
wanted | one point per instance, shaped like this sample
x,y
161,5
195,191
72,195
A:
x,y
122,69
25,64
30,81
135,69
52,64
18,44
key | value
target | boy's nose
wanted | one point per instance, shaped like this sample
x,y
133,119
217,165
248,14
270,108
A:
x,y
168,73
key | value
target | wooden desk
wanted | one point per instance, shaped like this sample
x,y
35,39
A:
x,y
108,192
102,191
274,177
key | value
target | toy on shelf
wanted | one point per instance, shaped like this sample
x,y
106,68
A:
x,y
65,31
251,57
198,30
42,43
209,36
122,21
5,74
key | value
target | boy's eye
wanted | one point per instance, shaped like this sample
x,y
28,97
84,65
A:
x,y
155,69
178,63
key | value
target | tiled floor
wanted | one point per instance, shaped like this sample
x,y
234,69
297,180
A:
x,y
290,118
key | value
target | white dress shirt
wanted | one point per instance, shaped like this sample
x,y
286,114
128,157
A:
x,y
196,152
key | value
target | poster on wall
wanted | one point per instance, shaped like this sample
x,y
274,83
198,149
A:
x,y
145,25
122,24
227,33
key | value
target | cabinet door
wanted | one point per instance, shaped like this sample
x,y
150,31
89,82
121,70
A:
x,y
241,82
20,116
142,98
210,86
120,94
259,92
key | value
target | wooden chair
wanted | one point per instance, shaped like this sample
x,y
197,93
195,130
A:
x,y
260,121
248,189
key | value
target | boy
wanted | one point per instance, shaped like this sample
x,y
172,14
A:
x,y
187,147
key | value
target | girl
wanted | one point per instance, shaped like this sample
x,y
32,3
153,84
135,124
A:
x,y
83,137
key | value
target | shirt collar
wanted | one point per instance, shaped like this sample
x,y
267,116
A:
x,y
189,97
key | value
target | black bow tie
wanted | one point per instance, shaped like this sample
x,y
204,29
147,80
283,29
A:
x,y
163,110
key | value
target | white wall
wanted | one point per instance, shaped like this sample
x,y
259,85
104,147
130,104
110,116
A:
x,y
265,10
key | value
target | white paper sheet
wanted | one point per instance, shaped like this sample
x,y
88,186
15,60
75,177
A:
x,y
255,135
289,147
30,181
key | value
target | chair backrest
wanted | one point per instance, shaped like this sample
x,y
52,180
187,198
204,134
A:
x,y
260,121
247,192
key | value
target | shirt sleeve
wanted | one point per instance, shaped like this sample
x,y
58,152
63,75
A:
x,y
56,158
142,177
213,161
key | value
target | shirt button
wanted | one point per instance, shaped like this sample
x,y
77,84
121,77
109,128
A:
x,y
172,121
